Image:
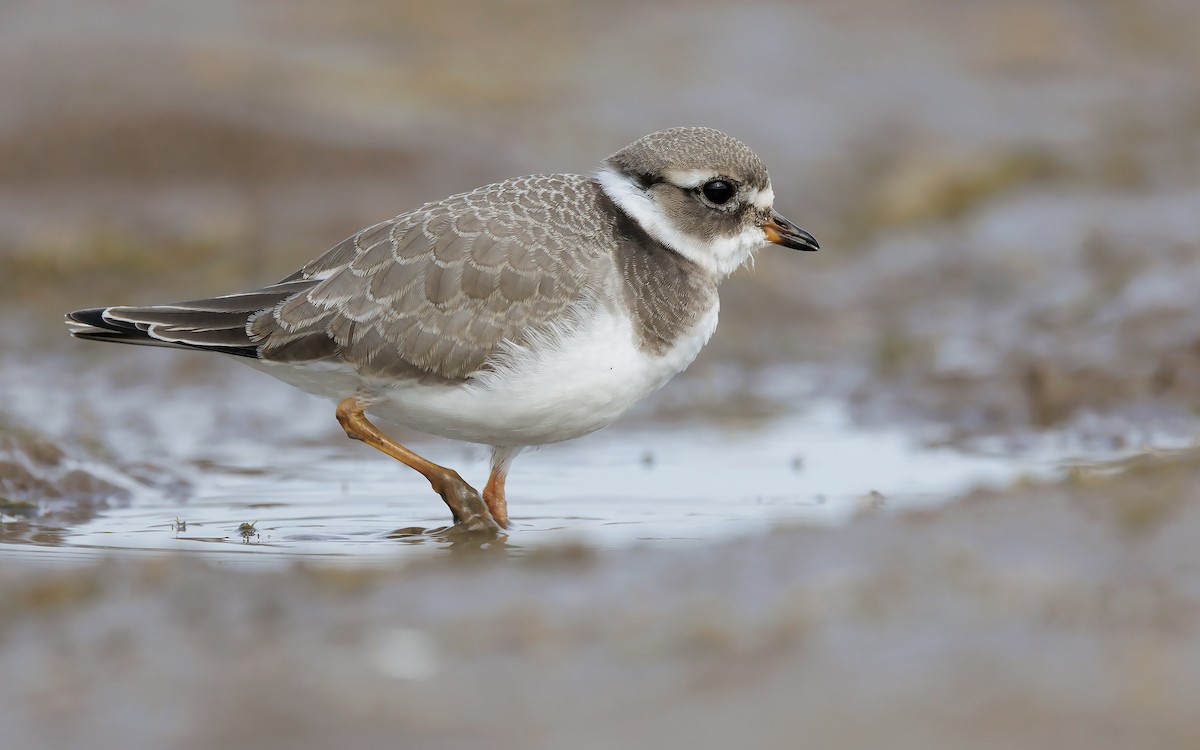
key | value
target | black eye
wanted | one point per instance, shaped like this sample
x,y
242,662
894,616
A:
x,y
718,191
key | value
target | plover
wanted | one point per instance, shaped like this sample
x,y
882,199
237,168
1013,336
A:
x,y
522,313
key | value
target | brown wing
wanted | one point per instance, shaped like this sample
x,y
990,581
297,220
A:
x,y
439,289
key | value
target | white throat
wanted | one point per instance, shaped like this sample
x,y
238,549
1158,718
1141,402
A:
x,y
720,257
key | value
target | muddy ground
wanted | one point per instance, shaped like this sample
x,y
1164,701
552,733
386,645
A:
x,y
1007,198
1062,616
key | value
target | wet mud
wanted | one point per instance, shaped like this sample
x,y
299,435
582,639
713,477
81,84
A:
x,y
1006,619
45,489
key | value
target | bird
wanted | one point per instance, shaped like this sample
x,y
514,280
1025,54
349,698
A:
x,y
522,313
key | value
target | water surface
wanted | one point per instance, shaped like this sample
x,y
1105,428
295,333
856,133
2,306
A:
x,y
657,484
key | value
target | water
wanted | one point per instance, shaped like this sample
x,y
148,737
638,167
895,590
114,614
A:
x,y
660,485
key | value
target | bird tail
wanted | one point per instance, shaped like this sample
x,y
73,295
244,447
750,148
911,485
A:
x,y
219,324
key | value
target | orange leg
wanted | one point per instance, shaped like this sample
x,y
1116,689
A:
x,y
493,492
493,495
470,511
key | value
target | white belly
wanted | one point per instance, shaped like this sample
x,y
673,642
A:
x,y
557,391
563,390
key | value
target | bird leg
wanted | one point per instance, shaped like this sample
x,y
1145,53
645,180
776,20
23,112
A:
x,y
493,492
493,495
469,510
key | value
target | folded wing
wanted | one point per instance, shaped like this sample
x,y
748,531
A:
x,y
438,290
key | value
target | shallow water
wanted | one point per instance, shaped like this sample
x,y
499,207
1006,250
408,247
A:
x,y
661,485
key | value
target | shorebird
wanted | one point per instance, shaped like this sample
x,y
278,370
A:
x,y
522,313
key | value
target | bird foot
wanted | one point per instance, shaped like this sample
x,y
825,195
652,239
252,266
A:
x,y
470,512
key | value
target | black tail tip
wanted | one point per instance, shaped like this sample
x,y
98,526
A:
x,y
92,316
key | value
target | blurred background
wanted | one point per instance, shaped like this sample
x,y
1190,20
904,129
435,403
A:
x,y
1007,194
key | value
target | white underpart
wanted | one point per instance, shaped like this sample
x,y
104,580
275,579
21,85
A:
x,y
553,390
721,256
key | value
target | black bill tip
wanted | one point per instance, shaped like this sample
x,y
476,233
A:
x,y
783,232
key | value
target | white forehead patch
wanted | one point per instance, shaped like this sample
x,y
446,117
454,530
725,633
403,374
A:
x,y
763,199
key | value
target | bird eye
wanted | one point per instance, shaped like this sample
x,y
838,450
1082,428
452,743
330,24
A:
x,y
718,191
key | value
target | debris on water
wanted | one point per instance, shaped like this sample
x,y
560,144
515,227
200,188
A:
x,y
871,502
